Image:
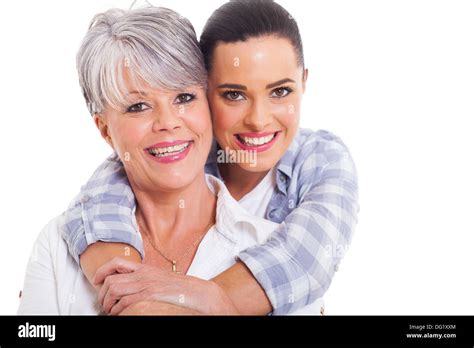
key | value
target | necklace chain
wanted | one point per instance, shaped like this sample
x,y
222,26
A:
x,y
174,261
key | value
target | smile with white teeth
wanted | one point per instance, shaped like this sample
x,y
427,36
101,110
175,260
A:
x,y
168,151
255,141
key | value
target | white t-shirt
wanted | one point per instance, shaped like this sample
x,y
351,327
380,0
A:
x,y
257,200
55,284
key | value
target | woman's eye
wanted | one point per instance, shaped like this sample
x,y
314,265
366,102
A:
x,y
281,92
138,107
233,95
184,98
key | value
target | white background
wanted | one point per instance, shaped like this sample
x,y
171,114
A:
x,y
394,79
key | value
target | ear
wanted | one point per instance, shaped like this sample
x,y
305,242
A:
x,y
103,128
305,78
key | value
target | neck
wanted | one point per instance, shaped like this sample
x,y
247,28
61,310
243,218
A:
x,y
172,217
239,181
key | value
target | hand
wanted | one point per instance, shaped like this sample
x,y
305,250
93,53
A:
x,y
156,308
126,283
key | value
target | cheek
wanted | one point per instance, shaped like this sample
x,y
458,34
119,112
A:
x,y
198,120
288,114
225,117
128,134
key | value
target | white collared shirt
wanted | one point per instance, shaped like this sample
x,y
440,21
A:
x,y
55,284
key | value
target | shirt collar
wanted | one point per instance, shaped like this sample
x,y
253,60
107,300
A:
x,y
285,165
231,217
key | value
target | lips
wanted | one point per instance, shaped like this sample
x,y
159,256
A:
x,y
169,151
259,142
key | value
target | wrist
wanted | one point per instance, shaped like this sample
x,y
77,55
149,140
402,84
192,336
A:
x,y
222,303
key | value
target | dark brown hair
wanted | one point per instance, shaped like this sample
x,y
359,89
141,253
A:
x,y
240,20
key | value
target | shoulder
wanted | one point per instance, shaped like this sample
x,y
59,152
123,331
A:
x,y
109,173
50,252
323,142
312,156
49,242
51,230
313,150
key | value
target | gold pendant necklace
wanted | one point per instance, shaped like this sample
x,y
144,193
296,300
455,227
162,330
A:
x,y
173,267
172,261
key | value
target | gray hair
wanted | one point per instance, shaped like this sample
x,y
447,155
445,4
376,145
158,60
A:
x,y
157,45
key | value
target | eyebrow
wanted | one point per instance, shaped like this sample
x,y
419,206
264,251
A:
x,y
232,86
279,82
244,88
136,92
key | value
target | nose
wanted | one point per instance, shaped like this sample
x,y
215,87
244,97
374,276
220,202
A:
x,y
165,119
259,116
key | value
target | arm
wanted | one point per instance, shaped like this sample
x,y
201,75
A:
x,y
237,282
243,289
322,224
157,308
89,231
100,253
98,223
297,263
126,284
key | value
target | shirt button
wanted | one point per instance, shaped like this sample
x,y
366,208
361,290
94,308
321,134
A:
x,y
20,294
282,178
85,199
272,213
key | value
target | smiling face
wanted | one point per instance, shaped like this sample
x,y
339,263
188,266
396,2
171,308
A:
x,y
163,137
255,90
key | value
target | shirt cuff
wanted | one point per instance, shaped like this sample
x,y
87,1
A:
x,y
79,232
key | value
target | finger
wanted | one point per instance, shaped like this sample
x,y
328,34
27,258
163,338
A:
x,y
149,293
116,265
125,302
111,280
144,275
117,291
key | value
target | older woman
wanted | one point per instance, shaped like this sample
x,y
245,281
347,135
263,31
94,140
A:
x,y
302,179
143,78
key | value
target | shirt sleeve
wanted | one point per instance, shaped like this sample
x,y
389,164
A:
x,y
39,294
297,263
103,211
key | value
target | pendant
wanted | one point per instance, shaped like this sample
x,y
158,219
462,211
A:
x,y
173,267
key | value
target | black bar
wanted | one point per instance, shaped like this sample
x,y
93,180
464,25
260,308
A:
x,y
287,330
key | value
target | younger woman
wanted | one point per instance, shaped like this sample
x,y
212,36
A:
x,y
304,180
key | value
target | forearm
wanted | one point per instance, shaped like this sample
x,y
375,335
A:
x,y
99,253
157,308
244,291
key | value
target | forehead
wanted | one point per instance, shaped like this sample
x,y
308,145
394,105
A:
x,y
264,59
133,82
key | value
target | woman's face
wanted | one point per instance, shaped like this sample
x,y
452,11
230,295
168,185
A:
x,y
163,137
255,90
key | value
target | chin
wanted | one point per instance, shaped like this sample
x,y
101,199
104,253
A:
x,y
173,184
260,166
175,180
